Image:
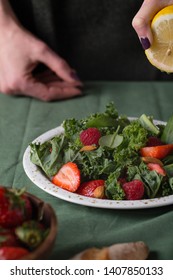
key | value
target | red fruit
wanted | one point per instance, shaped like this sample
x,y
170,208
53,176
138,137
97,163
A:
x,y
94,188
154,141
157,168
8,238
157,151
12,253
90,136
134,190
14,208
68,177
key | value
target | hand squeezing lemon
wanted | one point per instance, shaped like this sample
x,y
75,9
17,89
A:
x,y
160,54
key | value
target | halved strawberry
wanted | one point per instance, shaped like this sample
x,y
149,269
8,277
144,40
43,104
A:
x,y
94,188
157,151
68,177
157,168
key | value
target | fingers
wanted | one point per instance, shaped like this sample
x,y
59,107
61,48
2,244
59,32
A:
x,y
48,77
58,65
50,91
142,20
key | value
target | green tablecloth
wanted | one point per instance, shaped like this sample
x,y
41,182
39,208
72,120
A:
x,y
22,119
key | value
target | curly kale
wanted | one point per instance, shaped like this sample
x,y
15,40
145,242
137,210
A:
x,y
113,188
106,119
95,164
72,129
135,135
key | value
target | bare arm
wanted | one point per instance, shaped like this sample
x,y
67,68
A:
x,y
21,52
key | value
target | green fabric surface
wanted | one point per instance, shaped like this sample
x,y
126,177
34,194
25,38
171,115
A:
x,y
22,119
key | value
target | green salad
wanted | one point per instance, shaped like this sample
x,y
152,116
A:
x,y
132,158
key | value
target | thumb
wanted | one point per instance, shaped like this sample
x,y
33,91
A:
x,y
142,21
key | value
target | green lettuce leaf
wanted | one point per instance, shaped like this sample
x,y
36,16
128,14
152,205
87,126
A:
x,y
48,155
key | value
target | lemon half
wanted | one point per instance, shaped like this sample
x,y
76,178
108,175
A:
x,y
160,54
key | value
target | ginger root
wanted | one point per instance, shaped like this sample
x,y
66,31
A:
x,y
123,251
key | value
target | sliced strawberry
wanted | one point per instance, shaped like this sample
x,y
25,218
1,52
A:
x,y
68,177
94,188
157,168
12,253
157,152
134,190
90,136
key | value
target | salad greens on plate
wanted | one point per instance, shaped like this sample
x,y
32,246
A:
x,y
110,156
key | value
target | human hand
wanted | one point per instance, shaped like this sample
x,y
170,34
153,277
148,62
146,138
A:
x,y
141,21
20,53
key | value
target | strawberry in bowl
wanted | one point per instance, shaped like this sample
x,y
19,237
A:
x,y
28,226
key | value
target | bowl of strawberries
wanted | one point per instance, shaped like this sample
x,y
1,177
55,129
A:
x,y
28,226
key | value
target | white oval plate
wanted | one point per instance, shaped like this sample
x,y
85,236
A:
x,y
40,180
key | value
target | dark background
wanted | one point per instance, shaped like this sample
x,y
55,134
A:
x,y
95,36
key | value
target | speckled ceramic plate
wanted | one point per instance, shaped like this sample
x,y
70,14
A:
x,y
40,180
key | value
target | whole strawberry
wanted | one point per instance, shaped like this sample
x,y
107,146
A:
x,y
90,136
15,208
133,190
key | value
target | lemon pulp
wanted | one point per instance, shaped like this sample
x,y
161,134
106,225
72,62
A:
x,y
160,54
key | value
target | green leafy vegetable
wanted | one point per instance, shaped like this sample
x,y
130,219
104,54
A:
x,y
108,118
135,135
111,140
167,135
148,124
48,155
117,155
113,189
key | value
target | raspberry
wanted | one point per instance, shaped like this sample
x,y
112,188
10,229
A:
x,y
90,136
154,141
134,190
